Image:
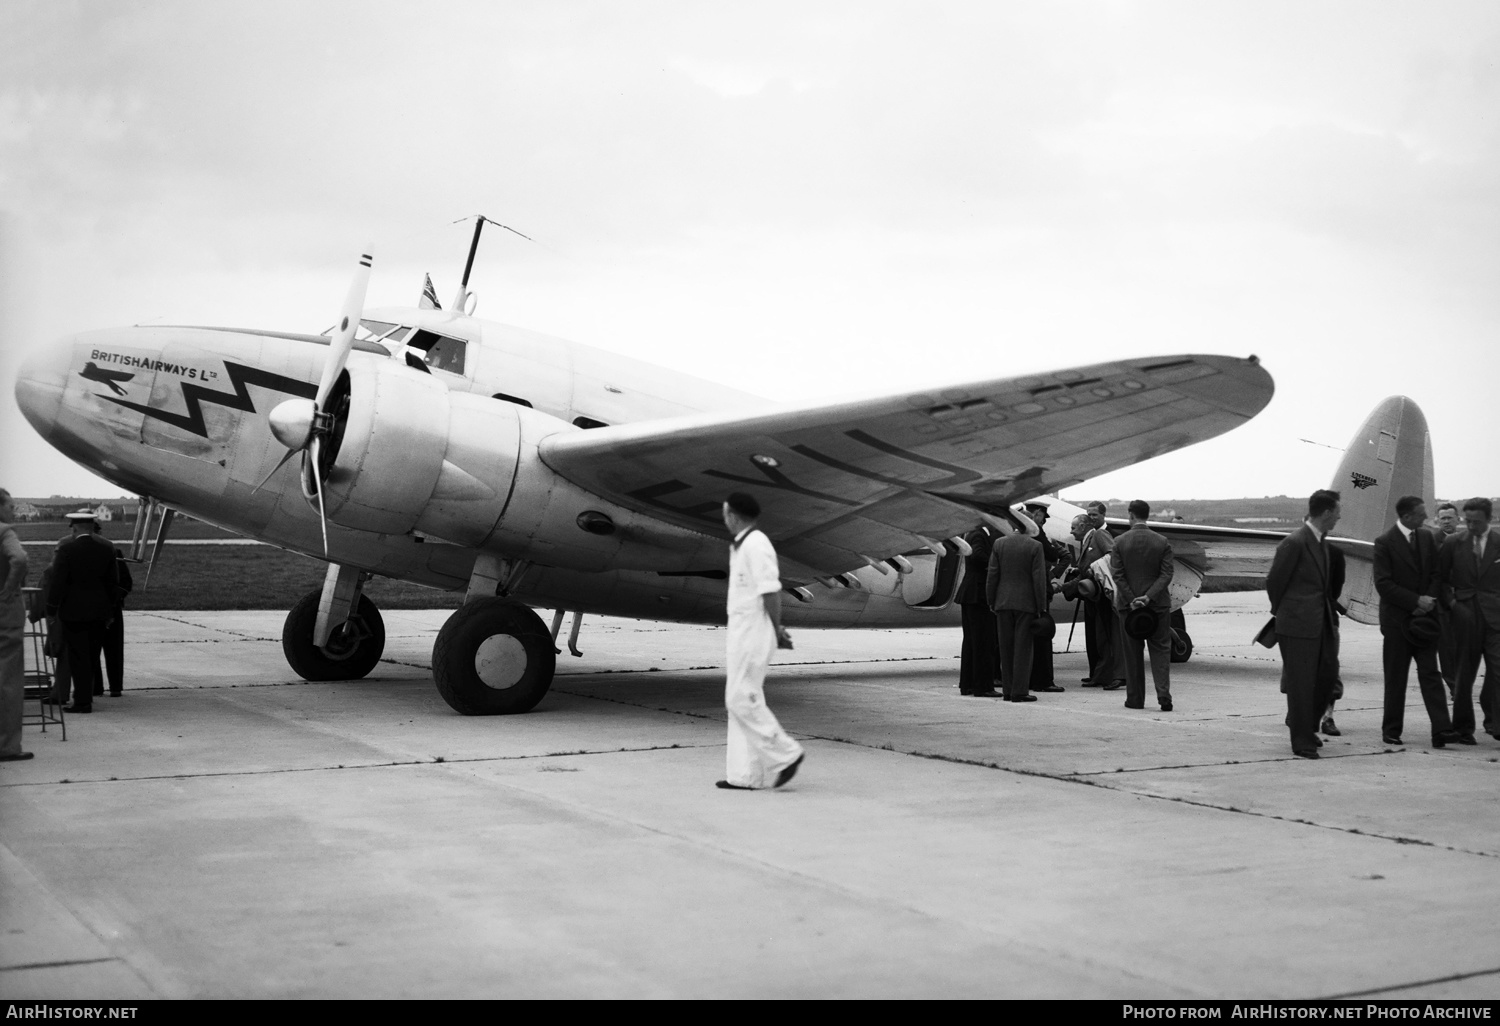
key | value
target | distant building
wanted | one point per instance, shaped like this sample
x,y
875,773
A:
x,y
103,513
26,511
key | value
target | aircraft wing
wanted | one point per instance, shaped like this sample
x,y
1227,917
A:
x,y
852,482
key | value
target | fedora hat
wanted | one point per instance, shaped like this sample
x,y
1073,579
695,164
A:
x,y
1422,631
1088,588
1044,627
1141,623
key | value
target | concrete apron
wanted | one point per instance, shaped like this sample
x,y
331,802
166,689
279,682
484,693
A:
x,y
226,830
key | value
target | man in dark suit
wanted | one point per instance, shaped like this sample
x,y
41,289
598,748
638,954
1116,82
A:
x,y
1141,563
1016,587
1298,586
1469,564
1053,555
1406,577
1448,524
1099,622
976,667
82,596
114,634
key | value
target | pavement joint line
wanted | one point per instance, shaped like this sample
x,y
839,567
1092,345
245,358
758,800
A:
x,y
440,760
1407,986
823,882
57,965
1397,838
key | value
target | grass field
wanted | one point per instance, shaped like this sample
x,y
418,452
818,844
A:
x,y
244,577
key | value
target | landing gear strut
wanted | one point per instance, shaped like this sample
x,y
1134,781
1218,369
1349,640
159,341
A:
x,y
493,656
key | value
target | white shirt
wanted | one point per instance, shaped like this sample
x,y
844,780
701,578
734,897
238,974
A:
x,y
753,572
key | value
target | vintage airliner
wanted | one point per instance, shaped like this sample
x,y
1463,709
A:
x,y
434,447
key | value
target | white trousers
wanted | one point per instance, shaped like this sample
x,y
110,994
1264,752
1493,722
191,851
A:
x,y
758,748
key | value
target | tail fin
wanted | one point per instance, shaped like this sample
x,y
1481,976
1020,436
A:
x,y
1390,456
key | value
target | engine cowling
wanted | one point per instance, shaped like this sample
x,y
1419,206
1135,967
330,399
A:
x,y
411,455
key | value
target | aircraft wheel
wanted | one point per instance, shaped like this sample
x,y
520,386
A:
x,y
351,653
1182,646
493,656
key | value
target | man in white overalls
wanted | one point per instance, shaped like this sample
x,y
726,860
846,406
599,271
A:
x,y
760,754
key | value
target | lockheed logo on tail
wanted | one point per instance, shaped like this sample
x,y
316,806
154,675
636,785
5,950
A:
x,y
1361,481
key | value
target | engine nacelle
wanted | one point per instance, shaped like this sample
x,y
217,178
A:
x,y
414,456
406,452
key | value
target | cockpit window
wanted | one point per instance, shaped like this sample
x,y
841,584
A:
x,y
443,353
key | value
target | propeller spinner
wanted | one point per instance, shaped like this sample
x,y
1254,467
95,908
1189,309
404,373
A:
x,y
302,425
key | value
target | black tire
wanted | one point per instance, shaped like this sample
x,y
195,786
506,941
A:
x,y
352,652
513,671
1182,646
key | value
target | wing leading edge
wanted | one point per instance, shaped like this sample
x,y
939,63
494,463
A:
x,y
846,483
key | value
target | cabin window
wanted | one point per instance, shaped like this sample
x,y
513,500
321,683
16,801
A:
x,y
511,399
442,352
588,422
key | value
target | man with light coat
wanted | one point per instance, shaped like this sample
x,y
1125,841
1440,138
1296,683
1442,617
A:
x,y
760,753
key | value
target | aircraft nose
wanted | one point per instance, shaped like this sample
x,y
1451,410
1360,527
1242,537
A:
x,y
40,383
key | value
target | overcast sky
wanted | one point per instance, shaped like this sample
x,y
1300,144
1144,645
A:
x,y
800,199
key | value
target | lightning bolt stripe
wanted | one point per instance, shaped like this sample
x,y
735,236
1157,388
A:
x,y
195,395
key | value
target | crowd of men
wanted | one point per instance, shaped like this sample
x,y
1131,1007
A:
x,y
1439,604
1120,583
83,591
1439,591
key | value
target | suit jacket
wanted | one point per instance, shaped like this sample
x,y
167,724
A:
x,y
1299,586
1017,578
1403,575
1141,564
1096,545
1470,578
83,580
971,592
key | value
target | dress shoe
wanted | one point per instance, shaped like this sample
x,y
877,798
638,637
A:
x,y
791,771
985,694
1318,742
725,785
1088,680
1467,739
18,757
1166,707
1306,753
1328,727
1131,705
1024,698
1091,684
1386,739
1050,688
115,694
75,708
1443,738
1114,685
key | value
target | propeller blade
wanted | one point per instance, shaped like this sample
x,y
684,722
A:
x,y
317,452
289,454
343,339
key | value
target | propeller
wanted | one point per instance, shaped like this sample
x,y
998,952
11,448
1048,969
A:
x,y
304,425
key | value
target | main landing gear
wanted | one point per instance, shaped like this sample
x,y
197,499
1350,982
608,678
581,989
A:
x,y
1182,643
494,655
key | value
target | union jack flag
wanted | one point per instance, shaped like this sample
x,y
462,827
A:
x,y
429,300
